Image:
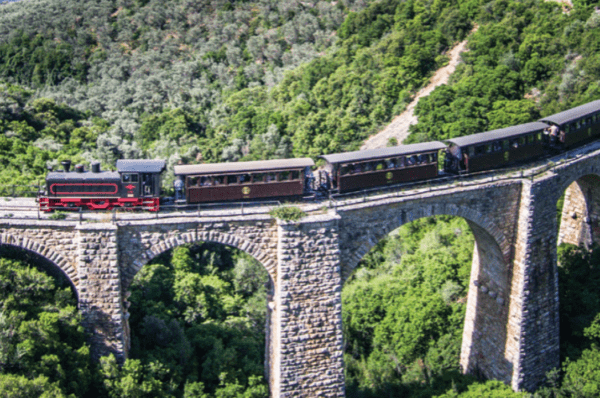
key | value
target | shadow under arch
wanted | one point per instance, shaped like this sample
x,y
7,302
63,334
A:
x,y
44,263
486,349
580,218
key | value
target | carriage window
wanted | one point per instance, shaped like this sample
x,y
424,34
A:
x,y
367,166
344,170
271,177
258,177
488,148
539,136
578,124
568,128
245,179
193,181
521,140
390,164
505,145
400,162
530,139
219,180
295,175
231,180
285,175
434,157
471,151
205,181
479,150
380,165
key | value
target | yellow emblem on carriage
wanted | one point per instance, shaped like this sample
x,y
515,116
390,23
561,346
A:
x,y
389,175
246,190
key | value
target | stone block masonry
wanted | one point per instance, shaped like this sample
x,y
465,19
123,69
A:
x,y
511,325
100,294
308,361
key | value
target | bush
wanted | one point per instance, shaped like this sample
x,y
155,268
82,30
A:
x,y
287,213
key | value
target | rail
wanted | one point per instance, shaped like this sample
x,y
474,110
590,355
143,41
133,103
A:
x,y
29,211
334,201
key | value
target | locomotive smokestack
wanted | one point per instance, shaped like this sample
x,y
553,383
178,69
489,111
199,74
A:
x,y
96,167
66,164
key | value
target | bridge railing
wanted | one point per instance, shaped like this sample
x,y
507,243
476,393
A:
x,y
16,210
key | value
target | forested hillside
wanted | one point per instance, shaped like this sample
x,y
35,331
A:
x,y
196,81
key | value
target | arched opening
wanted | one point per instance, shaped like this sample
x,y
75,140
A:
x,y
427,302
199,311
580,213
578,258
43,346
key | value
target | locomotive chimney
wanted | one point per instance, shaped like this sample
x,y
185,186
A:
x,y
79,168
96,167
66,164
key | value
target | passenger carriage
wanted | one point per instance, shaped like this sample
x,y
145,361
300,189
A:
x,y
216,182
377,167
579,124
496,148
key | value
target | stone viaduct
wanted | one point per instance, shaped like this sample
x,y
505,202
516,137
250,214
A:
x,y
511,326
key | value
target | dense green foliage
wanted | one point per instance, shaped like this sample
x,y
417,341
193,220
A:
x,y
36,133
198,318
403,311
527,59
42,342
198,330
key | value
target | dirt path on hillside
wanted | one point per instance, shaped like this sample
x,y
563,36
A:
x,y
398,128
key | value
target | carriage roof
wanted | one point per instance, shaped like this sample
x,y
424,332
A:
x,y
241,167
573,114
500,134
383,153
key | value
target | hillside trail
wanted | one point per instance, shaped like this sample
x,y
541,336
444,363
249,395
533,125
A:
x,y
398,128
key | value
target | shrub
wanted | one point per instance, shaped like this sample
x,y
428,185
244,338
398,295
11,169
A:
x,y
59,215
287,213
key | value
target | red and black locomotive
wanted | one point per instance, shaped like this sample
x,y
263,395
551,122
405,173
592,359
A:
x,y
136,183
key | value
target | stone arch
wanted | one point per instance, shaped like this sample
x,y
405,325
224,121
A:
x,y
485,335
405,217
580,219
58,261
169,243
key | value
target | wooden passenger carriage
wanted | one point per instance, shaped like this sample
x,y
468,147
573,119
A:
x,y
217,182
496,148
579,124
376,167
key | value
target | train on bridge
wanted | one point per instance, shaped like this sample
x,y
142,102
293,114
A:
x,y
137,183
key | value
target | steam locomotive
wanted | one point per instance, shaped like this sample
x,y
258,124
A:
x,y
136,183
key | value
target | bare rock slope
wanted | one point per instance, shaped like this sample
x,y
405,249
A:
x,y
398,128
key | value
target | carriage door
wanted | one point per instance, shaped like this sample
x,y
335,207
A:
x,y
147,184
